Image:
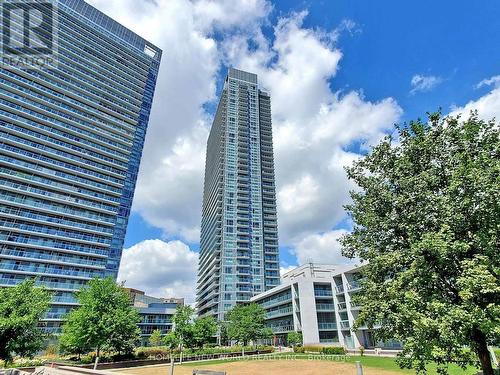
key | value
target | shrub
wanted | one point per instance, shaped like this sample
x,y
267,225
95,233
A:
x,y
298,349
51,350
153,351
312,348
22,362
361,350
337,350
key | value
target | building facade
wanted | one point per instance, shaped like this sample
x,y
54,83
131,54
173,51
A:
x,y
239,235
156,313
317,301
71,139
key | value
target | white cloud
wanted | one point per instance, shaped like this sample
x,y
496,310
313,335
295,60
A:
x,y
161,269
286,269
314,126
421,83
488,106
170,182
495,81
321,248
225,14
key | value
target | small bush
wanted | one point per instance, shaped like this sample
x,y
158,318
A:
x,y
146,352
336,350
312,348
362,350
298,349
51,350
22,362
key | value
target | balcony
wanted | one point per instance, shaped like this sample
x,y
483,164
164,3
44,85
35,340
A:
x,y
323,293
354,306
353,286
342,306
274,313
325,307
345,324
281,329
327,326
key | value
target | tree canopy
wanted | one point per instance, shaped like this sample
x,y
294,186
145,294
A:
x,y
189,331
105,319
246,323
183,321
294,338
21,308
204,329
426,219
155,338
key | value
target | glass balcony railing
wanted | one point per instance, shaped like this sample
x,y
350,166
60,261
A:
x,y
325,306
287,310
344,324
280,329
327,326
323,293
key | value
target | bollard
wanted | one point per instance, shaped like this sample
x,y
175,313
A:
x,y
359,368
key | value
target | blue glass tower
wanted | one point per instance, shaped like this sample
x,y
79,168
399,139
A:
x,y
239,255
71,140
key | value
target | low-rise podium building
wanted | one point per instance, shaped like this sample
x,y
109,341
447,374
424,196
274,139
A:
x,y
317,300
156,313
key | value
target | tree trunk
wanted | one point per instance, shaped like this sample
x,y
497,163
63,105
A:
x,y
481,348
172,364
96,358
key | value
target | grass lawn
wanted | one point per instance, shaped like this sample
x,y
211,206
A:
x,y
382,363
390,364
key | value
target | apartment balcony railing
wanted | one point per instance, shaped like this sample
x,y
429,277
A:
x,y
342,306
285,311
354,305
327,326
339,289
353,285
280,329
325,306
323,293
285,298
345,324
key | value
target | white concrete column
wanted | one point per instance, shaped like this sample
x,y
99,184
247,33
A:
x,y
308,315
350,316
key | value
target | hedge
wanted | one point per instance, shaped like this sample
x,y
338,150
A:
x,y
337,350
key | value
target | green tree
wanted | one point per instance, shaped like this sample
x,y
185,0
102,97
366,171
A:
x,y
104,320
170,340
204,329
426,218
246,323
155,338
21,308
294,338
183,326
74,339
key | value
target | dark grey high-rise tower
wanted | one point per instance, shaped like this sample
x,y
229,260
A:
x,y
239,254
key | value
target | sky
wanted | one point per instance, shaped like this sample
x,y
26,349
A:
x,y
340,74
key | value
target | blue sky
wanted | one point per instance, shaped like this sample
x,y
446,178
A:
x,y
358,66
